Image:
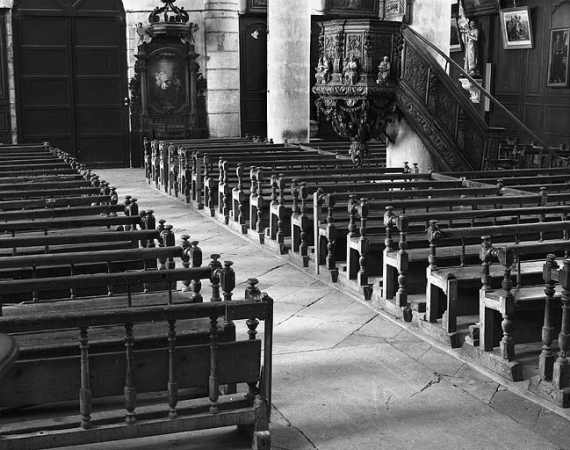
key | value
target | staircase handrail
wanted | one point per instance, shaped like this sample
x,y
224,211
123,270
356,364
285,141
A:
x,y
487,94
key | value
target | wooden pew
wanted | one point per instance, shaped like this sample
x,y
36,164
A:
x,y
64,241
342,206
197,165
395,266
268,199
165,157
445,280
511,315
99,370
274,171
553,380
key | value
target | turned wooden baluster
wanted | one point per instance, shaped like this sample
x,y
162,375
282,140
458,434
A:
x,y
352,210
507,344
295,195
196,261
364,209
253,180
331,260
185,259
169,241
155,162
213,379
280,237
546,358
433,234
227,279
274,187
172,386
225,203
252,292
253,389
485,255
240,217
389,218
561,370
151,225
215,265
281,183
130,390
402,293
85,390
259,223
147,159
304,193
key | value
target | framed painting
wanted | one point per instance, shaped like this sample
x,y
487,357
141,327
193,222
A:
x,y
473,8
455,42
516,28
167,84
558,58
353,7
258,5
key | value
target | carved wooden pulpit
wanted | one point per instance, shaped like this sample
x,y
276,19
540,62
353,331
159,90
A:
x,y
356,78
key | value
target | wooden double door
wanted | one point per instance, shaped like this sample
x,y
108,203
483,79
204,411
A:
x,y
71,77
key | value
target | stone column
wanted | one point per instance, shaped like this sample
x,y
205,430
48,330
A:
x,y
221,24
288,71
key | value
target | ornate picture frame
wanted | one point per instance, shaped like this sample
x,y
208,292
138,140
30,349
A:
x,y
516,28
353,7
474,8
559,48
257,5
455,41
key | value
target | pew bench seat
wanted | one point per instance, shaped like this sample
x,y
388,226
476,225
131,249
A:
x,y
157,378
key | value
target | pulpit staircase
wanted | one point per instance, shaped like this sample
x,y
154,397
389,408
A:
x,y
445,119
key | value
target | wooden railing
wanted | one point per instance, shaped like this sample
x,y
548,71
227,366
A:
x,y
444,117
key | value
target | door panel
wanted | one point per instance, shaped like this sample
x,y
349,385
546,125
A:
x,y
73,81
253,73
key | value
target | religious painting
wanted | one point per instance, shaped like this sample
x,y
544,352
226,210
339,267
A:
x,y
353,7
558,58
455,43
516,28
258,5
473,8
166,78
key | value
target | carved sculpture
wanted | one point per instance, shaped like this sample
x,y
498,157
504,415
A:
x,y
351,70
383,71
471,40
323,70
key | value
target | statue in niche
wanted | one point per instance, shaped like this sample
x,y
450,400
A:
x,y
350,74
383,71
470,39
323,70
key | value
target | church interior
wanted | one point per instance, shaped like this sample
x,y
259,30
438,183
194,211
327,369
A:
x,y
311,224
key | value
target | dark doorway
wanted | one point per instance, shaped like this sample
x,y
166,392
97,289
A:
x,y
253,73
71,77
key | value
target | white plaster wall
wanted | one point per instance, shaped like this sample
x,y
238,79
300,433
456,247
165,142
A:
x,y
431,18
407,146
